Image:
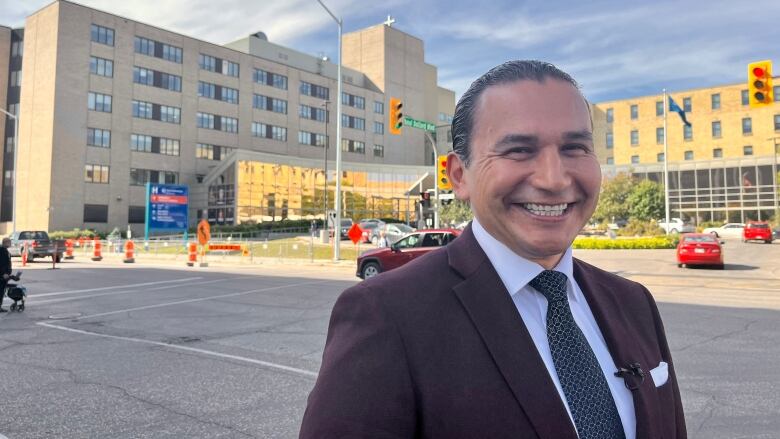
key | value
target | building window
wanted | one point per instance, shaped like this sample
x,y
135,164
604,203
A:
x,y
143,76
747,126
95,213
312,113
9,145
659,108
17,48
659,135
206,62
99,102
634,159
379,128
269,104
136,214
206,90
610,115
168,146
218,65
313,139
170,114
139,177
218,92
777,122
271,79
141,143
379,150
776,92
230,68
142,110
352,100
15,80
269,131
211,152
357,123
610,140
229,95
635,111
102,35
379,107
229,124
687,105
747,150
716,133
156,79
715,99
157,49
314,90
206,120
444,117
96,174
745,97
353,146
101,67
13,109
660,157
687,132
98,137
610,160
688,155
634,137
717,153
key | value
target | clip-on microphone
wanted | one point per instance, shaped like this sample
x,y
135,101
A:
x,y
633,376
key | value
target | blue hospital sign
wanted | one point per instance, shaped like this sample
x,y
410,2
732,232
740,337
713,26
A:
x,y
167,207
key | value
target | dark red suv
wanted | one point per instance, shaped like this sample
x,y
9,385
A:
x,y
411,246
757,231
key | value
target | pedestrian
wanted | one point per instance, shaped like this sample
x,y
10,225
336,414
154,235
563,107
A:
x,y
382,240
5,269
502,333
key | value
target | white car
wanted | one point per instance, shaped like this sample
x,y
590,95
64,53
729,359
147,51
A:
x,y
676,225
728,230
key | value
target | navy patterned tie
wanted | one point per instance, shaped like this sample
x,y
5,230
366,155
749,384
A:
x,y
587,393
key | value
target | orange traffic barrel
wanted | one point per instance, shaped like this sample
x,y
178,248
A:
x,y
68,249
193,254
129,252
97,254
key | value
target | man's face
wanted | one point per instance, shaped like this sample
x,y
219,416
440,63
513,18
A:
x,y
6,242
533,179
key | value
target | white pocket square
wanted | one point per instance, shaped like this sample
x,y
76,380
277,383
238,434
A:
x,y
660,374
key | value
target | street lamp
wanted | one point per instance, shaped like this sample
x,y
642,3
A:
x,y
325,218
16,148
337,232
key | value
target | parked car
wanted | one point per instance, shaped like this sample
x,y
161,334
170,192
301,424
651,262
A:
x,y
396,231
346,224
699,249
38,245
776,233
409,247
371,231
757,231
728,230
371,221
676,225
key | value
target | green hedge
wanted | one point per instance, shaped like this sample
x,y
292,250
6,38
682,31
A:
x,y
654,242
73,234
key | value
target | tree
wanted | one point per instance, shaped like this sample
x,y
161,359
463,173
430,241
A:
x,y
646,201
455,212
612,201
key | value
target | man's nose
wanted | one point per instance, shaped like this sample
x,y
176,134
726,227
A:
x,y
550,173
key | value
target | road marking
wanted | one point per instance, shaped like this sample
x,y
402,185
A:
x,y
114,293
303,372
179,302
115,287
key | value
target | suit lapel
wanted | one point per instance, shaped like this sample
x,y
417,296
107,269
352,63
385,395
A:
x,y
624,345
493,313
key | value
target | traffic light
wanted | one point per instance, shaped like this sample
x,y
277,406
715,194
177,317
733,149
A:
x,y
396,115
442,179
760,83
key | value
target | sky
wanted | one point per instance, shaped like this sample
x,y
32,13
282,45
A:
x,y
615,49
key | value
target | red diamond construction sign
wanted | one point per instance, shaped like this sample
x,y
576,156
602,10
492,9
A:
x,y
355,233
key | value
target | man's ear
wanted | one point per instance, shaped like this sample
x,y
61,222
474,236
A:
x,y
456,170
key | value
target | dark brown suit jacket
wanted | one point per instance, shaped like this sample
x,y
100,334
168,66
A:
x,y
437,349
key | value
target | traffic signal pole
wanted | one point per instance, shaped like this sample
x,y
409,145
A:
x,y
435,181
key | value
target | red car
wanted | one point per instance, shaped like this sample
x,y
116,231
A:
x,y
411,246
757,231
699,249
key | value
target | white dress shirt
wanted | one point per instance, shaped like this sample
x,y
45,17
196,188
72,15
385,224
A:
x,y
516,273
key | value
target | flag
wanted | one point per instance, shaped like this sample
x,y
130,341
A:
x,y
676,108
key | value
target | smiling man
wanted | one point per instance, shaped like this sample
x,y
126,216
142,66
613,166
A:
x,y
503,333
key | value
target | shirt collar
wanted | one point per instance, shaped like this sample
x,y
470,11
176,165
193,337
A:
x,y
514,270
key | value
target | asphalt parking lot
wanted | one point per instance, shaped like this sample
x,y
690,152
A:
x,y
105,350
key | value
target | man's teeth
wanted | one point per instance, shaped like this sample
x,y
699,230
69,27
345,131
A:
x,y
546,209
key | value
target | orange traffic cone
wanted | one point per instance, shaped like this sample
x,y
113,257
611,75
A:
x,y
129,252
193,254
97,255
68,249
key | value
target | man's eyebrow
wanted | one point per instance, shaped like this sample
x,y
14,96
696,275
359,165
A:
x,y
514,139
578,135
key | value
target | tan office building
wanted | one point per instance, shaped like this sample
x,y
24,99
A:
x,y
721,167
108,104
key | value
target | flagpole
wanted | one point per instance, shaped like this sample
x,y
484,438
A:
x,y
666,164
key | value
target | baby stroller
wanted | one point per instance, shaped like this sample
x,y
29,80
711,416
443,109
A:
x,y
17,293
